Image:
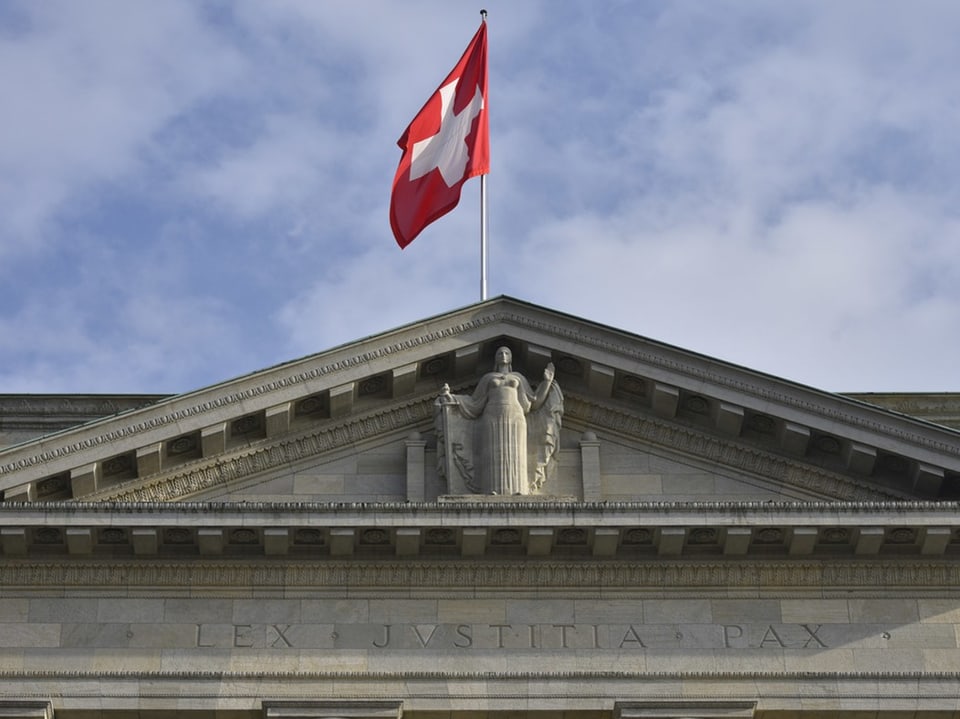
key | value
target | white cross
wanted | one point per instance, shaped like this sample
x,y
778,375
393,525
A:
x,y
447,150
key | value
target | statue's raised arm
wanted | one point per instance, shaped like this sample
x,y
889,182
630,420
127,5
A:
x,y
543,389
543,429
502,439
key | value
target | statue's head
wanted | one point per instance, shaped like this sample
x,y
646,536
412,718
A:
x,y
503,358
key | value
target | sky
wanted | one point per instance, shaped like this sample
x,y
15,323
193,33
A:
x,y
191,191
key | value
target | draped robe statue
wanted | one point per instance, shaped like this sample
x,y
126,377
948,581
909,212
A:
x,y
502,439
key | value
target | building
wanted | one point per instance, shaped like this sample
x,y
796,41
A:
x,y
319,539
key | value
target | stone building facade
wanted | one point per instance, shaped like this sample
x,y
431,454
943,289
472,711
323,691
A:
x,y
300,542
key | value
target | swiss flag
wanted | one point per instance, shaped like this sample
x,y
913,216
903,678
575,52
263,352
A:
x,y
447,143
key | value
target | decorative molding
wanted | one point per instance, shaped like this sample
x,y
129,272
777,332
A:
x,y
513,510
724,451
772,690
293,375
284,381
631,352
507,575
203,475
19,406
948,681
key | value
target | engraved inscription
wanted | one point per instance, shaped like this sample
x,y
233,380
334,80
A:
x,y
452,637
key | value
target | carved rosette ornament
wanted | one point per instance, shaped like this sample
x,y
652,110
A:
x,y
503,438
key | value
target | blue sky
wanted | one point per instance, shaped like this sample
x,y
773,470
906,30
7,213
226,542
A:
x,y
190,191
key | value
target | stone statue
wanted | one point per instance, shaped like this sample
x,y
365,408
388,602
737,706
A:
x,y
502,439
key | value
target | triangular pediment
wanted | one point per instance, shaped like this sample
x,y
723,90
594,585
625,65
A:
x,y
642,421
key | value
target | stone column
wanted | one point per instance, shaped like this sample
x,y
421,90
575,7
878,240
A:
x,y
332,709
590,467
416,467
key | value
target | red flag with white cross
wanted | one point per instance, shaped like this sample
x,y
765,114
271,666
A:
x,y
447,143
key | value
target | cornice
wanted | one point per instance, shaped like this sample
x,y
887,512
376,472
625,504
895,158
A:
x,y
270,455
943,678
768,690
185,407
487,576
727,452
483,529
206,474
17,408
468,511
942,408
255,388
742,381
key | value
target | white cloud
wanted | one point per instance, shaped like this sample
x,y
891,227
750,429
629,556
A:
x,y
284,166
382,287
86,88
770,184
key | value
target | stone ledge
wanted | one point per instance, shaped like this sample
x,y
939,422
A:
x,y
584,578
454,500
949,680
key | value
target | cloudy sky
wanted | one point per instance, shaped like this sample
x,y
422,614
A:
x,y
190,191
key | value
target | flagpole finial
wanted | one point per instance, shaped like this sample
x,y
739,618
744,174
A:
x,y
483,15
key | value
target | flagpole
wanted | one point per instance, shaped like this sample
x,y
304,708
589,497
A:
x,y
483,219
483,238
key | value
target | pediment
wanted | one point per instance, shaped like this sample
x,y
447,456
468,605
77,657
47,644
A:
x,y
643,421
378,473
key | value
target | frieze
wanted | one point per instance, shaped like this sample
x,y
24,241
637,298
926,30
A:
x,y
506,637
653,577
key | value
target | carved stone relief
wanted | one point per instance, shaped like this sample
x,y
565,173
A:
x,y
502,439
